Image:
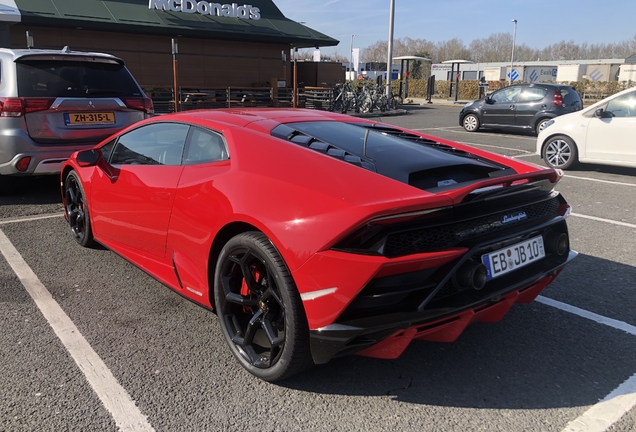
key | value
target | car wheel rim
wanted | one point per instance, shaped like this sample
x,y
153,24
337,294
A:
x,y
253,310
470,123
75,208
542,125
558,153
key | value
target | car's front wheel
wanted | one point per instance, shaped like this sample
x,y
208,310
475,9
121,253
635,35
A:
x,y
77,210
471,123
259,308
560,152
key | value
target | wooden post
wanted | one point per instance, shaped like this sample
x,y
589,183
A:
x,y
295,89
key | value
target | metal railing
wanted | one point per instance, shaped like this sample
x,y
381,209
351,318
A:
x,y
342,98
226,97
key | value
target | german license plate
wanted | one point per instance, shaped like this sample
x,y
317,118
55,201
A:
x,y
513,257
89,118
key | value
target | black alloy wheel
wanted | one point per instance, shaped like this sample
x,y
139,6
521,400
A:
x,y
259,308
77,210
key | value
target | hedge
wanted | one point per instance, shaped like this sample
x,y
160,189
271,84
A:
x,y
469,89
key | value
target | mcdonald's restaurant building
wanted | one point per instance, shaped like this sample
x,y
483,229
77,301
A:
x,y
219,44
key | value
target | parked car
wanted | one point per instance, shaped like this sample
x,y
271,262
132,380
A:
x,y
314,234
521,106
603,133
55,102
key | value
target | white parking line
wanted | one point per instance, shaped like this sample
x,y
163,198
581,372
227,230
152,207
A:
x,y
114,397
604,414
494,146
459,129
29,218
619,325
600,417
601,181
609,221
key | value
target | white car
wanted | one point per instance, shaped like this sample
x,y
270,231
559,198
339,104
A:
x,y
604,133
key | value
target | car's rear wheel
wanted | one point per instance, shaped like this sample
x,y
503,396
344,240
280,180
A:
x,y
540,125
560,152
259,308
77,210
471,123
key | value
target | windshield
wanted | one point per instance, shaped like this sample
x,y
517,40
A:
x,y
62,78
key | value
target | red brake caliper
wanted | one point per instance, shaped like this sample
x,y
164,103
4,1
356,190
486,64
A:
x,y
245,290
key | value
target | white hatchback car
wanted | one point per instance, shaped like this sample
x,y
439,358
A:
x,y
604,133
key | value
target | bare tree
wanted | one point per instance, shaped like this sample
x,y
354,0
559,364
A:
x,y
452,50
497,48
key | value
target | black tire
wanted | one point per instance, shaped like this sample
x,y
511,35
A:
x,y
560,152
259,308
541,125
77,210
396,102
339,106
471,123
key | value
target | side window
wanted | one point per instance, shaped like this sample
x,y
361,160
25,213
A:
x,y
153,144
107,149
504,95
623,106
532,94
205,146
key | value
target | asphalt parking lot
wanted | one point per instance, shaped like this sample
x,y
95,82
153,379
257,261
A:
x,y
566,362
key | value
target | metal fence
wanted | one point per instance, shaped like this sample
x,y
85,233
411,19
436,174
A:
x,y
234,97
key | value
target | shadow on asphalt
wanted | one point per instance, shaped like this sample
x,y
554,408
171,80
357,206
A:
x,y
33,190
605,169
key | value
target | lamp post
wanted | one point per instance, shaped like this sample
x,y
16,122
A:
x,y
389,59
512,56
351,55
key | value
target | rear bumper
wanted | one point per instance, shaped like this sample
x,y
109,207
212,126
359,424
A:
x,y
44,158
388,336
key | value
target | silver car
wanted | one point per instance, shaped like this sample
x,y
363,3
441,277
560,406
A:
x,y
53,103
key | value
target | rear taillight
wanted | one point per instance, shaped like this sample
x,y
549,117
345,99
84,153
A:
x,y
557,99
23,164
17,107
141,104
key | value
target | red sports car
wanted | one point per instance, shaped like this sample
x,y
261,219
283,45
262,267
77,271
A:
x,y
314,235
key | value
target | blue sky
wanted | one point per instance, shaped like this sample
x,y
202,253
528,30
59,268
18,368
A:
x,y
540,22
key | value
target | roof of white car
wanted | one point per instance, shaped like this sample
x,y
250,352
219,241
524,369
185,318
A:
x,y
14,54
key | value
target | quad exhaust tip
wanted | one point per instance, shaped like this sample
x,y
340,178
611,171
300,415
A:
x,y
471,275
557,243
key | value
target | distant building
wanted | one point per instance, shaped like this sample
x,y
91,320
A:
x,y
220,44
535,71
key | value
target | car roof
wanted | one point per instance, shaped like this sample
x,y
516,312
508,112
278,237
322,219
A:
x,y
541,85
15,54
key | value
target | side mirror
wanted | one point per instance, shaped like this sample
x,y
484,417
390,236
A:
x,y
601,113
488,99
87,158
